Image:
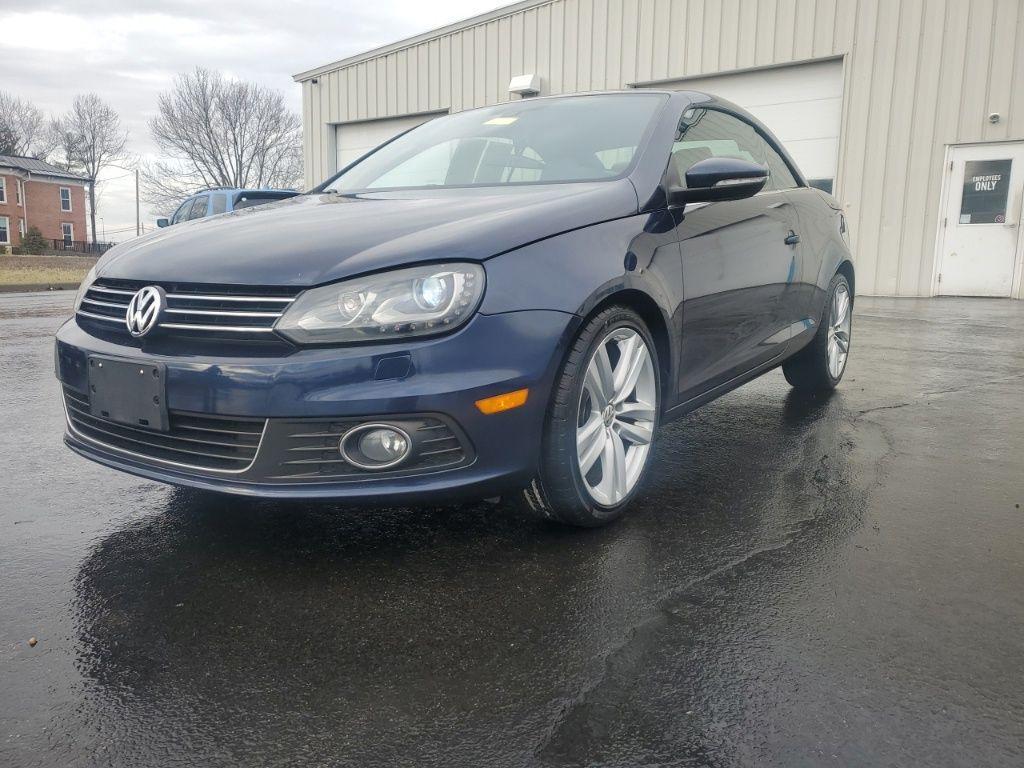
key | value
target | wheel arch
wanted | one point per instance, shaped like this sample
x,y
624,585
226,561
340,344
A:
x,y
645,306
845,268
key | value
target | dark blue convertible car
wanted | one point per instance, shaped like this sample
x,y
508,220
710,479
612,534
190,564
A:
x,y
504,300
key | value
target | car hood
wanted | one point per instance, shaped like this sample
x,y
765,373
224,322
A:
x,y
319,238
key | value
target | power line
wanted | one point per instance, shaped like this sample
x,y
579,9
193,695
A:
x,y
115,178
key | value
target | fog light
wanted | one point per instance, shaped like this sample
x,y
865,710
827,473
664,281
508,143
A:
x,y
375,446
383,445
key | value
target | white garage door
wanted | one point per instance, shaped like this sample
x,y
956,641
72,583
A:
x,y
801,104
356,139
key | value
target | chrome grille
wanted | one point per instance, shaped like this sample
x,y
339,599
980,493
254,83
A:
x,y
192,308
193,441
310,450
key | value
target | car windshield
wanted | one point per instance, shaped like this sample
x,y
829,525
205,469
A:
x,y
249,199
579,138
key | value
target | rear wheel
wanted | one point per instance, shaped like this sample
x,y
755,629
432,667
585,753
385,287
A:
x,y
601,423
821,364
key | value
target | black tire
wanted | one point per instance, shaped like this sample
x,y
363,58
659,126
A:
x,y
808,369
558,492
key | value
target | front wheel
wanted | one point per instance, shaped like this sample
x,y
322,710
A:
x,y
600,424
821,364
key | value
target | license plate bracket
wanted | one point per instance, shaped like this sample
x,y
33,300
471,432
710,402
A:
x,y
128,393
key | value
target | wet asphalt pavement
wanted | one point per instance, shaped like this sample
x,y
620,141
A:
x,y
805,582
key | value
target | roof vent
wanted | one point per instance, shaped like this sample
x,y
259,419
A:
x,y
524,85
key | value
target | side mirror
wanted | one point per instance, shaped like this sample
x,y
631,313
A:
x,y
720,178
163,223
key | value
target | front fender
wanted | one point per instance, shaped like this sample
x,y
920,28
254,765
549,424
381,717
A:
x,y
578,270
636,260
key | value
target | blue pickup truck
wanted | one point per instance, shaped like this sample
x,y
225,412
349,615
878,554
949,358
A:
x,y
214,201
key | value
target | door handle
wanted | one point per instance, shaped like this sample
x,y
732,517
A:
x,y
792,238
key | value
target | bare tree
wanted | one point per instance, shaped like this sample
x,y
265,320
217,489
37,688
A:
x,y
91,138
23,128
217,132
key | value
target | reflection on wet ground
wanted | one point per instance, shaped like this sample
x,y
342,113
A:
x,y
804,581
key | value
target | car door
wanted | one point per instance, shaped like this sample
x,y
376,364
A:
x,y
740,260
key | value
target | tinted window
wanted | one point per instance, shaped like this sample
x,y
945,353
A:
x,y
579,138
705,133
182,213
199,206
220,204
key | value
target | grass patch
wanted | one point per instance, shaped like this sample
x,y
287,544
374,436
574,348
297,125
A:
x,y
44,270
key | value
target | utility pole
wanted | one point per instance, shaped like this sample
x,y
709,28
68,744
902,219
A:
x,y
138,210
138,218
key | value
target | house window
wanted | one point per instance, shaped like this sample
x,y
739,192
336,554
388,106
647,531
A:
x,y
3,190
5,231
65,198
21,228
68,230
18,190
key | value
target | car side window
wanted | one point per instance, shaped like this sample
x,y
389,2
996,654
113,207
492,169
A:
x,y
199,207
182,213
704,133
779,175
220,203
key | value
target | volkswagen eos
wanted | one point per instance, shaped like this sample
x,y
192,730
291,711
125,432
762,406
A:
x,y
503,301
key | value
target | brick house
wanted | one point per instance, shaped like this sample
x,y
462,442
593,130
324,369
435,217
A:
x,y
36,194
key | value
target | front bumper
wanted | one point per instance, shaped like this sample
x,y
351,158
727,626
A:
x,y
431,381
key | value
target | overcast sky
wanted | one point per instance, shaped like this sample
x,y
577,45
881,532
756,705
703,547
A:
x,y
127,51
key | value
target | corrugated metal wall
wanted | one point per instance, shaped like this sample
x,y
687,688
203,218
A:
x,y
919,74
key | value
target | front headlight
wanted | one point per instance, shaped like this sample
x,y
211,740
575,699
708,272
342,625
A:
x,y
418,301
83,287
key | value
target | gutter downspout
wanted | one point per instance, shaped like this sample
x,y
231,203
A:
x,y
24,200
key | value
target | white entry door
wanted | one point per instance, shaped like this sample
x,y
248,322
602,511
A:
x,y
984,184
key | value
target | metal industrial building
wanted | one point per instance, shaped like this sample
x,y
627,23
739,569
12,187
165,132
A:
x,y
912,111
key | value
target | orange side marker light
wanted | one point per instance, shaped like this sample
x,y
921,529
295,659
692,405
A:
x,y
505,402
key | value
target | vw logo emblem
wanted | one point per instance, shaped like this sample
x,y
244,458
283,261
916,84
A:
x,y
144,310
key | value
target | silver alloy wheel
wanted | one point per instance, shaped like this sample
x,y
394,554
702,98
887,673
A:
x,y
615,423
839,322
